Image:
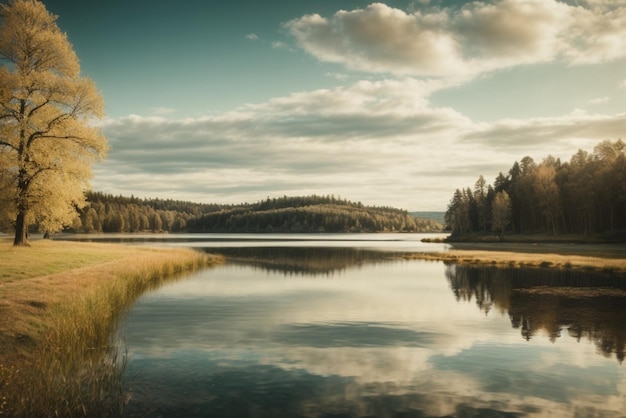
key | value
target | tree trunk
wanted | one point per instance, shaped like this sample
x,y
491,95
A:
x,y
21,230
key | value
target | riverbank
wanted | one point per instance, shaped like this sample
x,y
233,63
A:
x,y
566,239
589,258
60,303
532,251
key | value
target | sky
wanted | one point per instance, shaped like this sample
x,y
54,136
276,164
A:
x,y
394,103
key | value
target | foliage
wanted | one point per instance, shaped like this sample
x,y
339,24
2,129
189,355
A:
x,y
310,214
501,213
108,213
47,143
586,196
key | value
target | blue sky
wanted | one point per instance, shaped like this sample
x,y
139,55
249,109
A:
x,y
392,103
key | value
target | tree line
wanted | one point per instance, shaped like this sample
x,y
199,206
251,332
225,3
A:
x,y
311,214
585,195
109,213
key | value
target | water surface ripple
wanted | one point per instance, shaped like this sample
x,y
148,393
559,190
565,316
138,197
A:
x,y
291,330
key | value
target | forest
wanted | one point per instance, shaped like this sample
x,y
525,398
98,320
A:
x,y
108,213
585,196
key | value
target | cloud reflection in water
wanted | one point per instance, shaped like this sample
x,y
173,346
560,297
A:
x,y
383,339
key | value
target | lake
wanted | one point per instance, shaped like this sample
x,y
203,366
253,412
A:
x,y
341,326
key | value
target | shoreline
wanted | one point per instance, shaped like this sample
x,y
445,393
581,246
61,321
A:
x,y
61,303
504,258
60,311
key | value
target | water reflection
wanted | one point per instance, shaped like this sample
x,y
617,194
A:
x,y
310,261
342,332
586,305
377,241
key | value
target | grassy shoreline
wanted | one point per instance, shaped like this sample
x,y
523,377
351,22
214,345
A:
x,y
532,251
60,303
532,259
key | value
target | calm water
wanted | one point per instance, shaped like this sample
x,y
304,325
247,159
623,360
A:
x,y
343,329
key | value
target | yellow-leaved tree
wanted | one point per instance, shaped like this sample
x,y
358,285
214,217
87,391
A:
x,y
48,140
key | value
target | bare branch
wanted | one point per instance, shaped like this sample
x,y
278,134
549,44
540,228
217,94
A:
x,y
8,145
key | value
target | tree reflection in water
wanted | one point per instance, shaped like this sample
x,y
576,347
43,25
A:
x,y
305,261
353,332
586,305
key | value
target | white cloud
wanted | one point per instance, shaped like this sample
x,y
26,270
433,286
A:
x,y
379,39
338,76
476,38
595,35
279,45
599,101
557,134
380,142
252,36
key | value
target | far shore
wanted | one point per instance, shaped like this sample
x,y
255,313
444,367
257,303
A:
x,y
533,251
590,258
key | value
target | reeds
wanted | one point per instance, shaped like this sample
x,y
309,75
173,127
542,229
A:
x,y
68,361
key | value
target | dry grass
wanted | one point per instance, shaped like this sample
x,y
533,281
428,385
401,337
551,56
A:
x,y
48,257
527,260
59,307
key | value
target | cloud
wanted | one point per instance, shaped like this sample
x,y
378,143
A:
x,y
379,39
462,42
536,133
252,36
380,142
337,76
599,101
399,358
279,45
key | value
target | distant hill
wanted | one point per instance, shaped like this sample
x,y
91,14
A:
x,y
311,214
108,213
435,216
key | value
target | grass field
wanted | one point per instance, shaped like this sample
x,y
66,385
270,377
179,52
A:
x,y
59,304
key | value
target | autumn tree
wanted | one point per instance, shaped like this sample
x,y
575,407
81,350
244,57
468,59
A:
x,y
47,141
501,213
547,192
586,195
610,160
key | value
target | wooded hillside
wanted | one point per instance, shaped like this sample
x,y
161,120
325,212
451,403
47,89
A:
x,y
108,213
311,214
